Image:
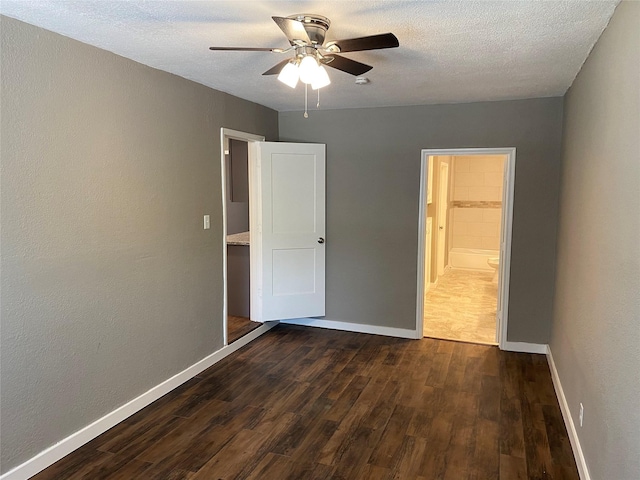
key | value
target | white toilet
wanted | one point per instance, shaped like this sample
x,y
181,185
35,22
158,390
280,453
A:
x,y
494,262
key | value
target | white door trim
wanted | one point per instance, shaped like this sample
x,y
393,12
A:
x,y
507,224
225,135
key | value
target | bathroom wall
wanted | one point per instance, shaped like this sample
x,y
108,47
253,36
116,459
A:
x,y
476,201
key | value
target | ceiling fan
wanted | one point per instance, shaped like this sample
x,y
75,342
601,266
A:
x,y
306,34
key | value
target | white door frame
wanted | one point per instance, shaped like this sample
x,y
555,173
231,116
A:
x,y
225,135
507,224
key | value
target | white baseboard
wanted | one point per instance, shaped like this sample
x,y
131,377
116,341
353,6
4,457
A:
x,y
74,441
524,347
583,471
355,327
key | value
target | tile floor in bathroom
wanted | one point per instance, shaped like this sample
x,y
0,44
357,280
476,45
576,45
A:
x,y
462,306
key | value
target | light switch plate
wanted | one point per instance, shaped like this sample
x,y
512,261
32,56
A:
x,y
207,222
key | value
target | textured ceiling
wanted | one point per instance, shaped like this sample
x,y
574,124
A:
x,y
450,51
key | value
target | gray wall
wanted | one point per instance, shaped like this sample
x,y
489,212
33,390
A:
x,y
110,285
595,339
373,177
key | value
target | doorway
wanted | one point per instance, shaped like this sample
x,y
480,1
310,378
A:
x,y
280,259
236,196
464,296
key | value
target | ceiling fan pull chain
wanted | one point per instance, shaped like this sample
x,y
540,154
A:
x,y
306,115
318,104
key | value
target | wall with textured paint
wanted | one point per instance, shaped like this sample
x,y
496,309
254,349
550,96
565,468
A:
x,y
110,285
373,187
595,339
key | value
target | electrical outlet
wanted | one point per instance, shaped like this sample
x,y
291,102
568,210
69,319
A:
x,y
581,414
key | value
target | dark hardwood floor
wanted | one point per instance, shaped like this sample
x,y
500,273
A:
x,y
306,403
238,327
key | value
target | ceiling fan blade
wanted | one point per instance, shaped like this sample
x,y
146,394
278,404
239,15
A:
x,y
293,29
346,64
276,69
372,42
247,49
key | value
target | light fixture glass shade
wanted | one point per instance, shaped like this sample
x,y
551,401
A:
x,y
308,69
321,78
289,75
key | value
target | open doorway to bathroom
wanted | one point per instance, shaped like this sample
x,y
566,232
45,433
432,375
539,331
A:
x,y
465,244
236,201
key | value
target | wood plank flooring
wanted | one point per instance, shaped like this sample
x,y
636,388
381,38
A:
x,y
238,327
306,403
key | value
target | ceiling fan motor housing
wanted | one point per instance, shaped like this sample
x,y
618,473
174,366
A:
x,y
316,26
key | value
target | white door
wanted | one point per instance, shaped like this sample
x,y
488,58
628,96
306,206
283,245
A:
x,y
503,247
427,255
290,231
443,204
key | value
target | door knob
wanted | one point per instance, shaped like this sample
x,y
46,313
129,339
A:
x,y
321,240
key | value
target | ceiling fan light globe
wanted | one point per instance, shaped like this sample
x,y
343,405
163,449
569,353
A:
x,y
289,75
308,68
321,78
